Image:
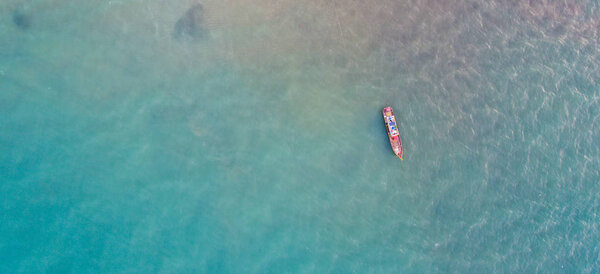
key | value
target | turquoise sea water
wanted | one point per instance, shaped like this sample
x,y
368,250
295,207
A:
x,y
259,146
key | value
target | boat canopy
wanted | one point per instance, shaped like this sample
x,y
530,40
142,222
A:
x,y
393,131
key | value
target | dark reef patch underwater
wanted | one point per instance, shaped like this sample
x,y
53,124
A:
x,y
192,24
21,19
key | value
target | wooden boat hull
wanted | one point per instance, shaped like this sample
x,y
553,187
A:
x,y
392,130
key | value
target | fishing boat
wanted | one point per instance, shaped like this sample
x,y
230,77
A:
x,y
392,130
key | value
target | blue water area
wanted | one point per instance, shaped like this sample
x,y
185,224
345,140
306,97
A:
x,y
235,136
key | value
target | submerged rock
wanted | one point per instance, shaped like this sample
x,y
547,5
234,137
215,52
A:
x,y
191,24
21,20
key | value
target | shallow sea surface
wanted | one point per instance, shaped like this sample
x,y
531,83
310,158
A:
x,y
257,144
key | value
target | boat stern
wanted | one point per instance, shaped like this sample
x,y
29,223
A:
x,y
398,151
